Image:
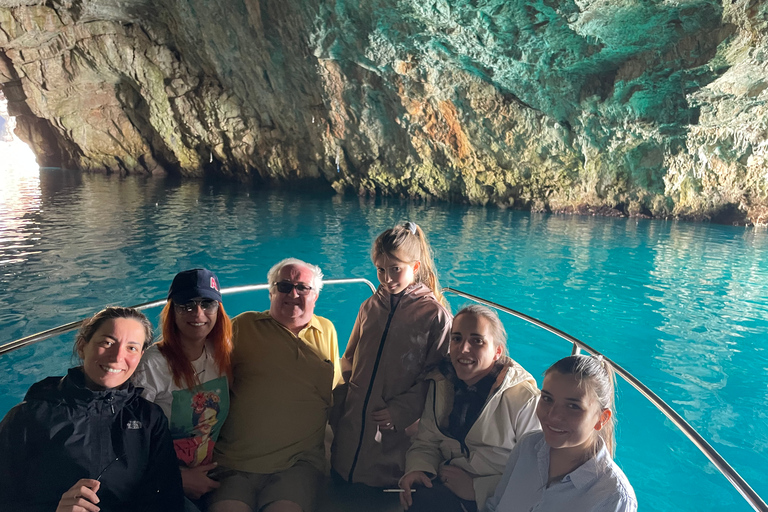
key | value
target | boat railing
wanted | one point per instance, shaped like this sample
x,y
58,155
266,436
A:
x,y
577,345
63,329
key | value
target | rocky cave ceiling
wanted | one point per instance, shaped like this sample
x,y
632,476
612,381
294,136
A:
x,y
627,107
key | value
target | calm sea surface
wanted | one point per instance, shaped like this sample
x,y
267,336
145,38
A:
x,y
682,306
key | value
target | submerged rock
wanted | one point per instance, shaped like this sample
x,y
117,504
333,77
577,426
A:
x,y
638,107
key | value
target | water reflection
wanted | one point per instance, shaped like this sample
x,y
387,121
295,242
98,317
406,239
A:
x,y
710,289
19,193
20,203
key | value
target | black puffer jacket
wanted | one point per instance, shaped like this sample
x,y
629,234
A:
x,y
63,432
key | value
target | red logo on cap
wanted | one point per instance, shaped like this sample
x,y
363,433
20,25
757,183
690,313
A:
x,y
213,284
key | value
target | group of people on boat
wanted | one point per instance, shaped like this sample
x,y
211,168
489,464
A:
x,y
231,415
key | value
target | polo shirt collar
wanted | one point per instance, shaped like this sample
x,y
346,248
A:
x,y
314,323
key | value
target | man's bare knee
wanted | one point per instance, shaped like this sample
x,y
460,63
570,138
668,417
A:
x,y
282,506
229,506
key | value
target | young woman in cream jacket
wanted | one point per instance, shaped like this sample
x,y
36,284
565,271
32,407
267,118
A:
x,y
478,405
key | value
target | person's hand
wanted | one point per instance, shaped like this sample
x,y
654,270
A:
x,y
407,482
196,482
81,497
458,481
383,419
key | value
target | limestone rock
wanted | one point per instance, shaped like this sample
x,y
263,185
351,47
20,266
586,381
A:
x,y
630,107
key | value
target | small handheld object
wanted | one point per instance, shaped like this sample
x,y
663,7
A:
x,y
220,473
398,490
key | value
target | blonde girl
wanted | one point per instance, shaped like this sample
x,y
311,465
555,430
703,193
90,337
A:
x,y
569,465
401,333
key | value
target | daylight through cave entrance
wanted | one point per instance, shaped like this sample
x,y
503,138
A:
x,y
16,158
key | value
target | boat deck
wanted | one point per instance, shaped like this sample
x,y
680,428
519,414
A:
x,y
354,498
343,497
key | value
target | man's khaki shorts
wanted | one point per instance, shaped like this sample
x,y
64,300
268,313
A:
x,y
299,484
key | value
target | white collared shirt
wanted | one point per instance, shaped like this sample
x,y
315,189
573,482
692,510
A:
x,y
598,485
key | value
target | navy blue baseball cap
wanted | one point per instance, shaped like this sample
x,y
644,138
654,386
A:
x,y
190,284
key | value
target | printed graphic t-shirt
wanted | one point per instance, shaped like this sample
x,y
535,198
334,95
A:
x,y
194,415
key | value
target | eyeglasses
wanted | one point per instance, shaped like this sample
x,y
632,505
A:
x,y
208,306
286,287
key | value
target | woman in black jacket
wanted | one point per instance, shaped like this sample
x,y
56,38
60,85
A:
x,y
88,441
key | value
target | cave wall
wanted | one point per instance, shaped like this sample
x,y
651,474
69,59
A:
x,y
627,107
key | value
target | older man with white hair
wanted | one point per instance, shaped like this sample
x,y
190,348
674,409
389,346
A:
x,y
285,364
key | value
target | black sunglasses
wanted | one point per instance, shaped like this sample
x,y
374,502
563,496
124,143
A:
x,y
209,306
286,287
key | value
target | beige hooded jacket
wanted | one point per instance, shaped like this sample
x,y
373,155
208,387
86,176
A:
x,y
508,413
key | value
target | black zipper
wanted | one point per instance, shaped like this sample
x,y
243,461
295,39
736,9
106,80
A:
x,y
106,420
464,449
462,442
370,389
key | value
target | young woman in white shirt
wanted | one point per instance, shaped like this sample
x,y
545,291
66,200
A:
x,y
569,465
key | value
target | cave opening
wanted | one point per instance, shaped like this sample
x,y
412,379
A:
x,y
16,157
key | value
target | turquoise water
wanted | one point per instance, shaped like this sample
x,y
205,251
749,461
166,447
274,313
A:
x,y
683,306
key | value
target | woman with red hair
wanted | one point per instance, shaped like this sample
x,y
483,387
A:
x,y
187,373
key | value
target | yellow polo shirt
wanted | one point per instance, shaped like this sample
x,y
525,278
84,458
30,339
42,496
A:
x,y
281,394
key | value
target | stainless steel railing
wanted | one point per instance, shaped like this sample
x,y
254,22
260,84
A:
x,y
50,333
720,463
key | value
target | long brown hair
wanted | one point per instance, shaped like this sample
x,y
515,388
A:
x,y
410,241
181,366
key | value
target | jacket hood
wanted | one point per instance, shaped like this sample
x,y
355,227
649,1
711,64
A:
x,y
511,373
72,388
